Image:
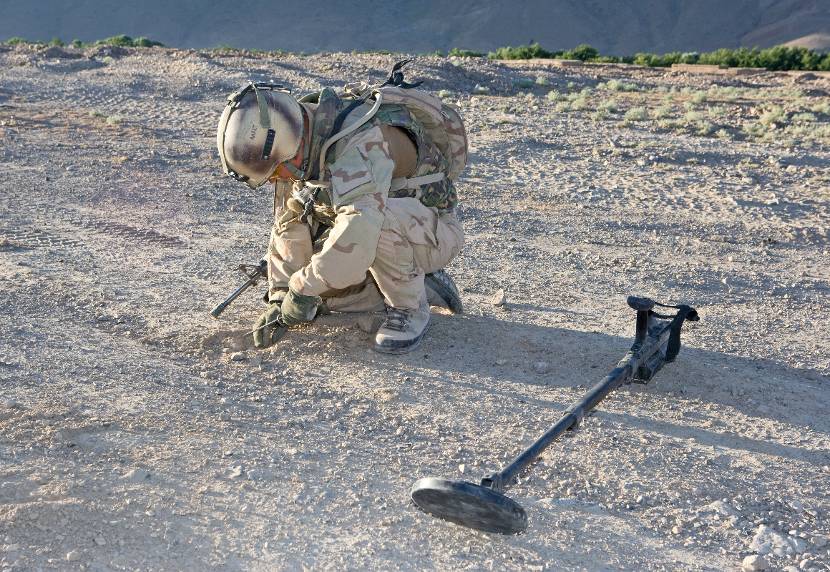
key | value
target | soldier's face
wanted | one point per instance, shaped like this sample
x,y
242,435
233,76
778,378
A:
x,y
282,171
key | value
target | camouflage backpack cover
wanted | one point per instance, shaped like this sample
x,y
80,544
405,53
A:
x,y
437,128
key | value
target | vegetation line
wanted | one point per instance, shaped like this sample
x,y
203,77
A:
x,y
778,58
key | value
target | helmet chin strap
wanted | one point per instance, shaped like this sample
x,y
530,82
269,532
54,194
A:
x,y
301,173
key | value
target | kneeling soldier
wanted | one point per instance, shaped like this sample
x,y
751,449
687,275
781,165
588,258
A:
x,y
364,203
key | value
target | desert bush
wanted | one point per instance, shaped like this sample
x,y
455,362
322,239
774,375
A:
x,y
773,116
704,128
608,106
617,85
693,116
523,83
554,96
582,52
803,118
636,114
15,41
579,104
542,80
459,53
699,97
520,53
823,107
663,111
128,42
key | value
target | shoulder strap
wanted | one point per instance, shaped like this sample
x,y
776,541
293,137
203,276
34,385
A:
x,y
348,130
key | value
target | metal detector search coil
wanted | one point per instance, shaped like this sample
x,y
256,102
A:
x,y
485,506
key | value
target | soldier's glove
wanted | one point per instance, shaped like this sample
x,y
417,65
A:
x,y
269,327
297,308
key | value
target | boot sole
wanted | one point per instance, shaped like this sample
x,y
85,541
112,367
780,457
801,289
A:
x,y
452,299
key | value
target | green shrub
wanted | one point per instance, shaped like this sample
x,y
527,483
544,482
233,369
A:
x,y
15,41
520,53
617,85
803,118
582,52
77,44
607,107
773,116
128,42
57,42
554,95
579,104
636,114
663,112
459,53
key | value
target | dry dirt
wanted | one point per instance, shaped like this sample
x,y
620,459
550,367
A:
x,y
130,440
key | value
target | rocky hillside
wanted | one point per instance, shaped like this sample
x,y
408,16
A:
x,y
621,27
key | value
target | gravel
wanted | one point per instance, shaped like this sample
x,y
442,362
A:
x,y
566,210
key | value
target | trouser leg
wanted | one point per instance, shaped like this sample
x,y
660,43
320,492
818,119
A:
x,y
414,240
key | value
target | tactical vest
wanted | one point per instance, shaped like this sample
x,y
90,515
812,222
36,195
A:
x,y
437,191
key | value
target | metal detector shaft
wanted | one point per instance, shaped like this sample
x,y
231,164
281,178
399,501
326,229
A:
x,y
485,506
639,354
254,276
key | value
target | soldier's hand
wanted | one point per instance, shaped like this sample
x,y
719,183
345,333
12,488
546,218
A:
x,y
297,308
269,327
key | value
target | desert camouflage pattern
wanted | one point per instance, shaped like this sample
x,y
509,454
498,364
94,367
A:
x,y
440,121
395,239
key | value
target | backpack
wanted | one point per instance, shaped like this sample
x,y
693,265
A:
x,y
440,122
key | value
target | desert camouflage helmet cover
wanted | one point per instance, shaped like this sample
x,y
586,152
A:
x,y
261,126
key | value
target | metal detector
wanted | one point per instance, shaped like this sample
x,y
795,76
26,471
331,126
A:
x,y
485,506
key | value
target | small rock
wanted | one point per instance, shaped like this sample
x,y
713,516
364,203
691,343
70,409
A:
x,y
481,90
72,556
137,475
99,540
237,472
806,564
239,356
541,367
676,530
754,562
499,298
461,468
819,541
501,361
10,404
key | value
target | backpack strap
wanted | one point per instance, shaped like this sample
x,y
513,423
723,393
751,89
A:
x,y
347,131
416,183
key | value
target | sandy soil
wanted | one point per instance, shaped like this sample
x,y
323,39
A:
x,y
138,434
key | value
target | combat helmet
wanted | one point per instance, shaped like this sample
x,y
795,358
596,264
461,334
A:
x,y
261,127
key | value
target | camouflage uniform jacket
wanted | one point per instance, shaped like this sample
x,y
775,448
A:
x,y
360,172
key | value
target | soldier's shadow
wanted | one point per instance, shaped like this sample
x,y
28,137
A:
x,y
500,357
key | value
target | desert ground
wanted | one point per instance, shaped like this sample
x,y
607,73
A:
x,y
136,433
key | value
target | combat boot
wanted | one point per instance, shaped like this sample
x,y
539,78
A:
x,y
442,292
403,329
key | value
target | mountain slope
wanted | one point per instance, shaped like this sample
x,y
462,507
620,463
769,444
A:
x,y
621,27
